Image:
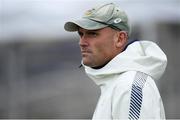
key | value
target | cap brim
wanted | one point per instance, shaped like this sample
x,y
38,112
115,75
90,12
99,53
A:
x,y
83,23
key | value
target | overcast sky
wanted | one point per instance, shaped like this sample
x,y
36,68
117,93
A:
x,y
47,17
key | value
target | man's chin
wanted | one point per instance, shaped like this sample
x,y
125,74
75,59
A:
x,y
94,66
87,63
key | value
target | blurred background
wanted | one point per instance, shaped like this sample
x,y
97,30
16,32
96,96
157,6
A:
x,y
39,74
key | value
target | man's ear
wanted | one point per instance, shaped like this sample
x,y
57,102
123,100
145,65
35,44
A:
x,y
122,39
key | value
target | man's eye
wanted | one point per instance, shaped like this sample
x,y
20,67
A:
x,y
92,33
80,34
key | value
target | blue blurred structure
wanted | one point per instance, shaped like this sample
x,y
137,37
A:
x,y
39,74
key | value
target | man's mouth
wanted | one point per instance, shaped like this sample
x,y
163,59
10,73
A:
x,y
85,52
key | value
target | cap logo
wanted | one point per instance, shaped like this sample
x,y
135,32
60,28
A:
x,y
117,20
89,12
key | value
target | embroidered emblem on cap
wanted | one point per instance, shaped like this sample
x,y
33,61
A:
x,y
89,12
117,20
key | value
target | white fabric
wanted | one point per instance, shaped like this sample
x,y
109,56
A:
x,y
116,79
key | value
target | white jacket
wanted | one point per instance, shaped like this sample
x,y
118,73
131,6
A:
x,y
128,90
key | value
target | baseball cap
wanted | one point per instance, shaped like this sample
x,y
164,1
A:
x,y
106,15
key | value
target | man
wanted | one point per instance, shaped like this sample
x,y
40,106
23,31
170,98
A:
x,y
125,72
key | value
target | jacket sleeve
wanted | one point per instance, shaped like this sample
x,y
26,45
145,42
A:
x,y
132,102
152,105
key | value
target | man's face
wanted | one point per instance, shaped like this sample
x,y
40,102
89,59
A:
x,y
97,46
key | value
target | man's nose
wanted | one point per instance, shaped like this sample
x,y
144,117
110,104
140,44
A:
x,y
83,42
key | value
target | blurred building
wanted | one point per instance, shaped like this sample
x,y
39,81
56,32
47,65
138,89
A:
x,y
39,74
